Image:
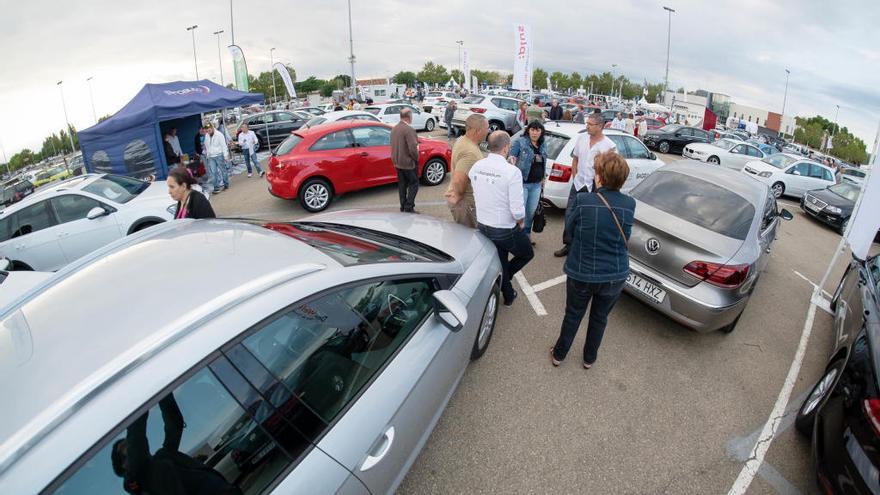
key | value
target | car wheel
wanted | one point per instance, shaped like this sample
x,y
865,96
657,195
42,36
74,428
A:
x,y
18,266
778,189
487,323
714,160
663,147
429,125
494,125
434,172
143,226
315,195
806,415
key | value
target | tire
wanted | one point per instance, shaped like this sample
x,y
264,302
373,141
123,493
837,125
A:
x,y
778,189
434,172
315,195
18,266
843,225
732,326
714,160
429,125
487,323
144,226
494,125
806,415
663,147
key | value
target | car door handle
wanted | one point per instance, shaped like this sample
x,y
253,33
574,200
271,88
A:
x,y
63,234
379,451
364,153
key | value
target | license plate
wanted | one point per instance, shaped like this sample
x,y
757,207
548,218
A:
x,y
811,206
647,288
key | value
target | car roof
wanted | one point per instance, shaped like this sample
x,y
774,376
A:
x,y
752,190
70,184
336,125
571,130
37,359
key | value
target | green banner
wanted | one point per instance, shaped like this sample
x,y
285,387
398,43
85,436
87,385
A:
x,y
240,67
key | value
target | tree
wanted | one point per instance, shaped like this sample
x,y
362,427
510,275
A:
x,y
405,77
107,116
432,73
539,79
345,78
310,85
457,75
575,81
560,81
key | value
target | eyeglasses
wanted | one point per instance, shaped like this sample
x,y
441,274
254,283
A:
x,y
592,123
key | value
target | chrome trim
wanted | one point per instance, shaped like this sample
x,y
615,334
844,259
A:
x,y
207,312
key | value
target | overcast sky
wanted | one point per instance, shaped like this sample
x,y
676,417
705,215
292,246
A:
x,y
740,48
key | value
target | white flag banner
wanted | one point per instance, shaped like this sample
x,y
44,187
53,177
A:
x,y
522,60
549,84
865,220
466,67
476,87
285,76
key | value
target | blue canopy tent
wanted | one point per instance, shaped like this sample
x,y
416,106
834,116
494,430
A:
x,y
130,142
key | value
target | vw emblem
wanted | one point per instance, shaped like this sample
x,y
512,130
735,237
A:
x,y
652,246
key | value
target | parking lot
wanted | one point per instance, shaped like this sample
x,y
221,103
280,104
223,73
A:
x,y
664,410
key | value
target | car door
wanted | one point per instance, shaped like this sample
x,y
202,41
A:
x,y
419,118
641,161
336,157
797,179
285,123
33,239
820,177
77,234
374,146
767,230
391,114
258,125
737,157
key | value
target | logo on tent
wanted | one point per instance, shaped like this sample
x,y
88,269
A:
x,y
180,92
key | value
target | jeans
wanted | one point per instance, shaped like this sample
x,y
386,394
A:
x,y
531,195
217,169
509,241
252,157
450,131
407,188
577,296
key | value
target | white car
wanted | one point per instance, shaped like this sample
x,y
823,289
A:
x,y
390,114
724,152
341,115
433,97
498,110
855,175
560,139
60,224
790,175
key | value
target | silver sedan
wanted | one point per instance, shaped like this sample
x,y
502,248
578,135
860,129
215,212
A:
x,y
701,237
301,357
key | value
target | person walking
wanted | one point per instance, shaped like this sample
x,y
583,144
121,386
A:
x,y
465,153
587,146
529,155
405,156
555,110
643,128
217,153
580,117
448,114
629,124
597,267
247,141
535,112
498,195
190,203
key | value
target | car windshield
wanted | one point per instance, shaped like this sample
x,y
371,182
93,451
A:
x,y
779,161
670,128
697,201
854,173
315,121
724,144
846,191
287,145
357,246
473,100
117,188
373,110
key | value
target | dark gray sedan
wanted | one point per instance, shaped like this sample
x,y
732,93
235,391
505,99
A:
x,y
700,240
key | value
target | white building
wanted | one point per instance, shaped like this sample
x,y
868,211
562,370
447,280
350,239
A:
x,y
380,90
686,108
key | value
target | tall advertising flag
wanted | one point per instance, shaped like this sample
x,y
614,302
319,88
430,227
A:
x,y
522,60
240,67
865,220
466,68
285,76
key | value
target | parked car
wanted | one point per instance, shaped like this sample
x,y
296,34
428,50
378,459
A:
x,y
498,110
390,114
16,191
439,111
62,223
790,175
854,175
270,127
560,140
314,111
314,165
841,414
367,319
794,149
651,121
833,205
720,134
700,240
51,175
672,138
767,149
344,115
15,284
724,152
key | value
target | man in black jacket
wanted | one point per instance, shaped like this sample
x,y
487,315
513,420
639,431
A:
x,y
555,110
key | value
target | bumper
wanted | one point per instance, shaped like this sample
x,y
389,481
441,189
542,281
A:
x,y
692,155
650,143
702,307
279,187
826,218
557,193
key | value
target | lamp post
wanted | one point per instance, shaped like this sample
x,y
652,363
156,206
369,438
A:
x,y
613,73
272,69
668,44
351,58
219,58
784,98
66,122
92,98
834,130
460,43
192,29
231,24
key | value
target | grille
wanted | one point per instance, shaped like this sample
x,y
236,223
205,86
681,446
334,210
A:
x,y
817,202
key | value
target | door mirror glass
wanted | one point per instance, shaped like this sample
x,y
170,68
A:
x,y
450,310
96,212
785,214
5,264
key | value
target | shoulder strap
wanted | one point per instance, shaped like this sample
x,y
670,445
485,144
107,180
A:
x,y
614,216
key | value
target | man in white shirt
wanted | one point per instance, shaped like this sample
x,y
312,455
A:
x,y
618,123
217,153
586,148
247,141
175,142
629,124
498,196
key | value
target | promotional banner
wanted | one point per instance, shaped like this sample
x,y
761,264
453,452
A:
x,y
466,68
476,87
866,219
522,60
240,67
285,76
549,84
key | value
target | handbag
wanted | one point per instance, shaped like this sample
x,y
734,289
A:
x,y
616,221
539,221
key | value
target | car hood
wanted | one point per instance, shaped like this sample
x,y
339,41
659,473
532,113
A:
x,y
18,283
705,147
762,166
832,199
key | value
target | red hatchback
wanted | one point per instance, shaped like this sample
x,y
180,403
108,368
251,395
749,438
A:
x,y
321,162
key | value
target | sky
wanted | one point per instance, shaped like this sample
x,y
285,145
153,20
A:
x,y
740,48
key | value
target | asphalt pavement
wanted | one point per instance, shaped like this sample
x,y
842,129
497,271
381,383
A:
x,y
664,409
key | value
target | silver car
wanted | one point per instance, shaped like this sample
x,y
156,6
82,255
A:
x,y
500,111
303,357
700,240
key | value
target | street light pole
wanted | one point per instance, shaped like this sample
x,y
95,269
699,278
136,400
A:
x,y
668,45
231,24
272,69
834,130
613,73
351,51
460,44
219,58
192,29
66,121
784,98
92,98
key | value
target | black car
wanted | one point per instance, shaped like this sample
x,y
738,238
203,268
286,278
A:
x,y
842,412
673,138
16,192
273,127
832,205
314,111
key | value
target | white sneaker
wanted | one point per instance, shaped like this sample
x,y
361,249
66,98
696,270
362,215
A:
x,y
250,174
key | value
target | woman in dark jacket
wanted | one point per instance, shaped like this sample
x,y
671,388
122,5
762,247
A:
x,y
529,154
598,259
190,204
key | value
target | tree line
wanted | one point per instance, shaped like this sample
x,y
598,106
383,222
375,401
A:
x,y
53,145
814,131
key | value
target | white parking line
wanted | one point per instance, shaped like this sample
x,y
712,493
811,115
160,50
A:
x,y
820,300
550,283
530,294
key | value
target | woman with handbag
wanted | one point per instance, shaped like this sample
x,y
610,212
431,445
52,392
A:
x,y
598,260
529,154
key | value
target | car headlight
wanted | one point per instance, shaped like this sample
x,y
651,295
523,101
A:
x,y
765,174
171,209
833,209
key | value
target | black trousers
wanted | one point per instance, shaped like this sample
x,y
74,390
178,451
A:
x,y
572,195
578,296
509,241
407,188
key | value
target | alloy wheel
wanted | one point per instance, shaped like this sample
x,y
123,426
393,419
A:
x,y
777,189
819,391
435,173
488,321
316,196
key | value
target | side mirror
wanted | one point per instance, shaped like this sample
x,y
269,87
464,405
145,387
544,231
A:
x,y
786,215
796,172
96,212
5,264
449,309
651,155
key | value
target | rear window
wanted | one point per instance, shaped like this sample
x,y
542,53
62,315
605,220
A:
x,y
779,161
553,144
373,110
698,202
473,100
315,121
287,145
117,188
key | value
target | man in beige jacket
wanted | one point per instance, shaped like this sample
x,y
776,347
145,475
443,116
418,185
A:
x,y
466,152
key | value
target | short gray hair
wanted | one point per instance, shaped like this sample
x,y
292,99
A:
x,y
498,140
405,113
596,118
474,122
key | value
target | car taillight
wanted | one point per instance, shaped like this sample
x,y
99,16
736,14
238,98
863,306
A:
x,y
478,110
560,173
726,276
872,411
